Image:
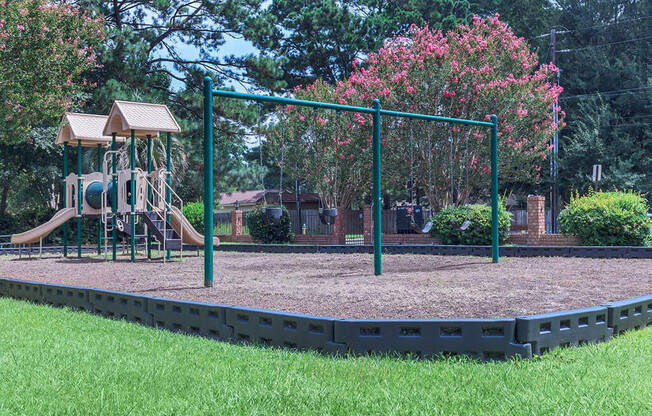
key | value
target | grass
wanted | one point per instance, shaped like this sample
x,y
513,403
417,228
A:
x,y
57,361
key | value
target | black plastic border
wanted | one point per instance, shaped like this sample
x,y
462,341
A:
x,y
600,252
630,252
484,339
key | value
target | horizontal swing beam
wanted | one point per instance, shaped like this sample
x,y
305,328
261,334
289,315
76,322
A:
x,y
436,118
291,101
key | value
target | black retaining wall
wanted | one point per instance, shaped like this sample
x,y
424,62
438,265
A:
x,y
485,339
632,252
483,251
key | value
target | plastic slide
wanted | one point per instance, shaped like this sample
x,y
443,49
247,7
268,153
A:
x,y
36,234
190,235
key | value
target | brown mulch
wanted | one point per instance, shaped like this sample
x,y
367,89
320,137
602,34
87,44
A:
x,y
343,285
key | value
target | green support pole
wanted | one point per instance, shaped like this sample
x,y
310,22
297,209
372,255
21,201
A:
x,y
132,214
495,255
65,198
99,222
168,179
208,182
378,268
114,200
149,193
79,198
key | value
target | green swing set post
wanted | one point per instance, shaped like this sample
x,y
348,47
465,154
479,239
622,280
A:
x,y
376,113
65,198
132,214
79,198
168,179
208,182
99,222
114,198
149,193
377,197
495,254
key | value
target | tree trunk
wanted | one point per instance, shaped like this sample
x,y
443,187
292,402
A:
x,y
3,198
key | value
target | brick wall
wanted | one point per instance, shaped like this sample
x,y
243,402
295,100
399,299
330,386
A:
x,y
536,215
230,238
408,239
236,222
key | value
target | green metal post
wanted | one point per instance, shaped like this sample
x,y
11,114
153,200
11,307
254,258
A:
x,y
65,198
149,193
495,255
99,222
114,200
79,198
376,190
132,214
168,179
208,182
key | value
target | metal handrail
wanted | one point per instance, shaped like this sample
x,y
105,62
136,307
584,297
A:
x,y
162,176
163,218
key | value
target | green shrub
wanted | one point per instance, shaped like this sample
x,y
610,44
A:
x,y
194,212
266,231
447,222
608,219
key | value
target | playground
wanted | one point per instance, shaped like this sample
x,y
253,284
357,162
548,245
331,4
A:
x,y
343,286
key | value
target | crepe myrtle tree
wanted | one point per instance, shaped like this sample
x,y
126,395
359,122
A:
x,y
470,72
46,48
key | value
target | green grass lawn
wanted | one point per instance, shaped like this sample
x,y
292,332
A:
x,y
56,361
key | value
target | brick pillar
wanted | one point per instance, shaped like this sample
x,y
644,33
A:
x,y
367,224
236,222
536,216
339,227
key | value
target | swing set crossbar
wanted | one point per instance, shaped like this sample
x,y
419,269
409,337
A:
x,y
376,113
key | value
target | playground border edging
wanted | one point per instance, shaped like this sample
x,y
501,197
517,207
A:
x,y
629,252
485,339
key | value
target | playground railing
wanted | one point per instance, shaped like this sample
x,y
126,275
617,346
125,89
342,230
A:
x,y
168,209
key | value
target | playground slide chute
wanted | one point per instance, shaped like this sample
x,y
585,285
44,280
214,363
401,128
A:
x,y
190,235
36,234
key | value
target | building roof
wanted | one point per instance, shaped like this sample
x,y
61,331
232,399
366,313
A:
x,y
85,127
144,118
253,197
242,197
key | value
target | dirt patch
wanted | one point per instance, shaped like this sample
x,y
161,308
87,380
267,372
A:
x,y
343,285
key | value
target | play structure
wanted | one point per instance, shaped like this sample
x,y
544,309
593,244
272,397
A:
x,y
119,198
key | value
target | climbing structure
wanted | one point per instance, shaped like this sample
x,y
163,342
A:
x,y
119,197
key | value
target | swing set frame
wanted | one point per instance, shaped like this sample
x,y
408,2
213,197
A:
x,y
376,113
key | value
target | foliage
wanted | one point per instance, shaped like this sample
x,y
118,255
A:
x,y
266,231
470,73
46,50
194,212
607,93
447,222
608,219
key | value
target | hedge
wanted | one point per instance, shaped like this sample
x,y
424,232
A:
x,y
264,230
447,222
608,219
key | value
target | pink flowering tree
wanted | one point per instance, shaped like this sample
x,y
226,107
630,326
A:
x,y
46,47
471,72
327,150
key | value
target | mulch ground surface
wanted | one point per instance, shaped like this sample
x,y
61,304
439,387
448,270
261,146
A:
x,y
343,285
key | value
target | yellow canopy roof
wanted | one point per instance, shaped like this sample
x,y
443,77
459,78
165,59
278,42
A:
x,y
85,127
144,118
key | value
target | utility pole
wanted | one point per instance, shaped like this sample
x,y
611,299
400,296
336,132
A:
x,y
554,189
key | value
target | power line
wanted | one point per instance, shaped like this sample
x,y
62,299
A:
x,y
593,27
615,125
604,44
608,93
